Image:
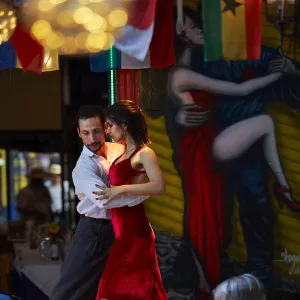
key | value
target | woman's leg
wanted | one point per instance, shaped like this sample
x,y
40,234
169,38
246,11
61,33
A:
x,y
238,138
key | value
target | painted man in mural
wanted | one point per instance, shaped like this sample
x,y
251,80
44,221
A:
x,y
216,119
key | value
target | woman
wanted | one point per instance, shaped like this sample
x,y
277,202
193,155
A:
x,y
131,271
200,148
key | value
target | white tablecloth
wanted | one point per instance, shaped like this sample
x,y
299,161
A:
x,y
43,274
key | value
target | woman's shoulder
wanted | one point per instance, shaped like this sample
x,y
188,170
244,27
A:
x,y
147,152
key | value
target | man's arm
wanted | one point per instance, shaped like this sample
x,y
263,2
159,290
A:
x,y
85,179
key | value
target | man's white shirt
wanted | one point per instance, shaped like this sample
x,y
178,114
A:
x,y
92,169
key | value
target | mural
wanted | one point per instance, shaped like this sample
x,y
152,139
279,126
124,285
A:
x,y
225,122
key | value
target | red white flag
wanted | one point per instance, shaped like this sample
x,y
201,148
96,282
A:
x,y
155,44
138,32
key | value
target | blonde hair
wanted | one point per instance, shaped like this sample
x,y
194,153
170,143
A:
x,y
243,287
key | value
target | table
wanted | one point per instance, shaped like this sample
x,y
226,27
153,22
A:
x,y
33,273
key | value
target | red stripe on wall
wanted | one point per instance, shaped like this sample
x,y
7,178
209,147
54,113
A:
x,y
253,28
128,85
136,87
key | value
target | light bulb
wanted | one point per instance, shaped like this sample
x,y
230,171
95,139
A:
x,y
8,22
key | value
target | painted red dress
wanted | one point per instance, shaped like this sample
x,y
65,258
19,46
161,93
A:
x,y
131,271
203,187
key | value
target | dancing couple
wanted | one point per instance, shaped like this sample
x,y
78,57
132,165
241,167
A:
x,y
113,249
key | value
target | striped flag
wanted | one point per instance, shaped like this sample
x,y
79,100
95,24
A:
x,y
30,58
29,51
139,29
21,47
159,54
232,29
9,59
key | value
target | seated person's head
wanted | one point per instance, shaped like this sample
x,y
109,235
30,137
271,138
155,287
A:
x,y
244,287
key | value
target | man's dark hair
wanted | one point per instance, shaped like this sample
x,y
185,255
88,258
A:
x,y
89,111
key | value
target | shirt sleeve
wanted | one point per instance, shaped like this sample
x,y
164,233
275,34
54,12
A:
x,y
85,179
124,201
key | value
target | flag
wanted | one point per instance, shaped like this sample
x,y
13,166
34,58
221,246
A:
x,y
51,61
232,29
8,57
23,51
137,33
29,51
160,53
33,58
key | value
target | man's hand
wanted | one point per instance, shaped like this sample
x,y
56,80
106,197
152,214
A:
x,y
284,65
191,115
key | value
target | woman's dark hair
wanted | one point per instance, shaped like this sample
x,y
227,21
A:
x,y
196,17
126,113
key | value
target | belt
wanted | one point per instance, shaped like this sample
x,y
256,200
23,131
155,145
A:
x,y
98,221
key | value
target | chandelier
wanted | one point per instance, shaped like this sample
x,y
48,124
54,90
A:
x,y
285,15
75,26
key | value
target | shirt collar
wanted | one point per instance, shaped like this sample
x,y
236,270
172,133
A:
x,y
86,151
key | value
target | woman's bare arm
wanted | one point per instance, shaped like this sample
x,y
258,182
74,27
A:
x,y
184,80
156,184
179,22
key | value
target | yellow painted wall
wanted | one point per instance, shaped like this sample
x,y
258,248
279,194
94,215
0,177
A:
x,y
165,212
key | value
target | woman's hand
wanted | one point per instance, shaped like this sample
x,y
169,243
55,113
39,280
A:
x,y
179,26
108,194
179,21
191,115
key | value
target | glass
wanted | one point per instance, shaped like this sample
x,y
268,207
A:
x,y
45,250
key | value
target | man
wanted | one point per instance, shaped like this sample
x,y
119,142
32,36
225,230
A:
x,y
248,176
94,236
34,201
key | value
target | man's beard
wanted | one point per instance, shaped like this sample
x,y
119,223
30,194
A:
x,y
95,147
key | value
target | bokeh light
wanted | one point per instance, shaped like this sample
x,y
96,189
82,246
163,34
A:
x,y
76,26
8,22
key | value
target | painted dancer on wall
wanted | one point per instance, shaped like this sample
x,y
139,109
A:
x,y
194,105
